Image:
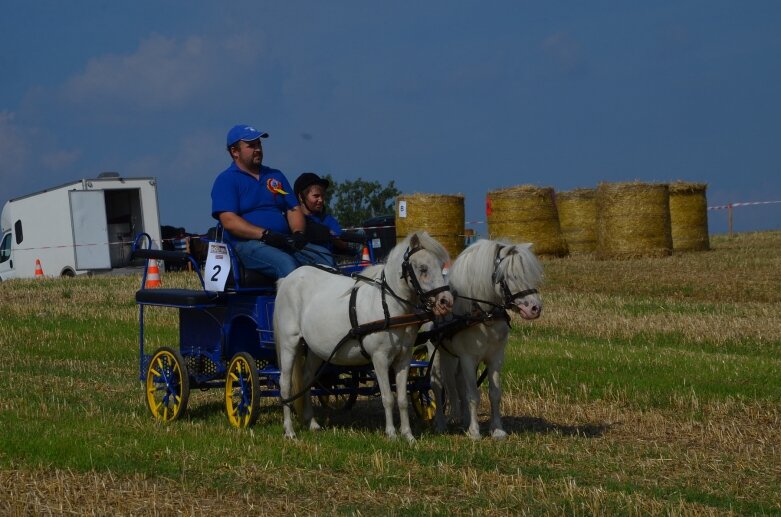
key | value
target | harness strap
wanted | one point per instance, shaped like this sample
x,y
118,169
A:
x,y
354,322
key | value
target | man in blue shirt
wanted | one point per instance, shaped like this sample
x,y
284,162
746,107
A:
x,y
259,212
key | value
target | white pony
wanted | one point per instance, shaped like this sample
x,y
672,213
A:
x,y
317,310
487,279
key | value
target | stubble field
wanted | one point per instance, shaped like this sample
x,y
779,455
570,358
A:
x,y
650,386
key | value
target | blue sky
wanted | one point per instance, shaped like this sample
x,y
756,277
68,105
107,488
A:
x,y
441,97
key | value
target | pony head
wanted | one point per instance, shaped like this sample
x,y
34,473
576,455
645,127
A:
x,y
416,263
501,274
517,274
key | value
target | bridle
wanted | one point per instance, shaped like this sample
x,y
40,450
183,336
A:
x,y
408,273
507,296
479,315
506,293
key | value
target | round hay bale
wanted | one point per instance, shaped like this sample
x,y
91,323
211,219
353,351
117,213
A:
x,y
526,213
578,219
633,220
442,216
689,216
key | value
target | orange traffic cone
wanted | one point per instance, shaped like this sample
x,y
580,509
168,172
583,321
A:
x,y
38,269
153,275
365,259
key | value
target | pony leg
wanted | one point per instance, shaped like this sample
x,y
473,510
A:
x,y
469,378
495,396
401,365
311,366
386,394
454,393
437,386
287,363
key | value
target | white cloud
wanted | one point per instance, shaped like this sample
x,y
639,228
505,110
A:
x,y
162,72
60,159
12,145
14,151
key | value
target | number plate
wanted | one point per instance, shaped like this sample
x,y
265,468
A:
x,y
218,265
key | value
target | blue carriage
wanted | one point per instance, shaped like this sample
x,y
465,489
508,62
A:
x,y
226,341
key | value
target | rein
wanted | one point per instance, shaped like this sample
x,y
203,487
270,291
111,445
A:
x,y
479,315
422,313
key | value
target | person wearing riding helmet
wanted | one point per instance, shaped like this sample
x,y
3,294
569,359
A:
x,y
261,217
321,228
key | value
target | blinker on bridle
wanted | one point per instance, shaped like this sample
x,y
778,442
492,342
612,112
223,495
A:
x,y
407,271
508,295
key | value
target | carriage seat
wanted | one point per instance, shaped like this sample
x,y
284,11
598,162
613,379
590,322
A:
x,y
183,298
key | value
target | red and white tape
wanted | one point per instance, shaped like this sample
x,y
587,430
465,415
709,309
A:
x,y
749,203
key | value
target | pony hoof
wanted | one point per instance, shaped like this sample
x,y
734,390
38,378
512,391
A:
x,y
498,434
314,426
290,436
410,438
473,435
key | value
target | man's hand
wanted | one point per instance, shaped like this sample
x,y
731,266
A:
x,y
275,239
299,240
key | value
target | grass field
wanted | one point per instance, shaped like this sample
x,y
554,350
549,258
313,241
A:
x,y
647,387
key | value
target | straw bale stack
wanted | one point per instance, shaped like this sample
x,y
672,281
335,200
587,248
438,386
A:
x,y
633,220
578,219
442,216
689,216
526,213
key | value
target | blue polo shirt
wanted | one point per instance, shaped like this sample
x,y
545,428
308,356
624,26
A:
x,y
329,221
263,202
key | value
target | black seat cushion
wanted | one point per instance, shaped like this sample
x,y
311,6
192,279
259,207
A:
x,y
180,297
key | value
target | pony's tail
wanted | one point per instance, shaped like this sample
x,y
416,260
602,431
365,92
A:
x,y
296,378
296,373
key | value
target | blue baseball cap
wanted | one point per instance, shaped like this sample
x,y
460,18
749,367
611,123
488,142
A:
x,y
245,133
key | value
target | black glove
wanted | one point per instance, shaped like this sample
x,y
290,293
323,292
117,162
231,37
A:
x,y
317,233
299,240
275,239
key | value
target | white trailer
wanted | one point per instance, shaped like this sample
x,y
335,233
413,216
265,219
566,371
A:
x,y
81,227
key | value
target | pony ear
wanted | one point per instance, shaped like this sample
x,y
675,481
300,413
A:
x,y
414,241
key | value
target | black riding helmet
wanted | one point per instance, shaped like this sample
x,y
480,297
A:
x,y
306,180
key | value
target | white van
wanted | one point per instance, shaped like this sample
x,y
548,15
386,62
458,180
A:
x,y
80,227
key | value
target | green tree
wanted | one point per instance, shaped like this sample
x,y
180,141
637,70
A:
x,y
353,202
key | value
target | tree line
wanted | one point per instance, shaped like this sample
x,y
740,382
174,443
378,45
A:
x,y
352,202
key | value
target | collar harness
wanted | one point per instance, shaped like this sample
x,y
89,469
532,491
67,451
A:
x,y
478,315
421,313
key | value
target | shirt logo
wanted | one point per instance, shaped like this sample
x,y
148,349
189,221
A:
x,y
275,186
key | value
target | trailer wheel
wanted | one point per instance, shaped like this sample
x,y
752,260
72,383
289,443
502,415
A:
x,y
67,273
167,385
420,391
242,391
338,390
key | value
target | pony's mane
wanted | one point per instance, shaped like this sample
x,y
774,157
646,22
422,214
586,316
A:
x,y
427,242
392,265
473,270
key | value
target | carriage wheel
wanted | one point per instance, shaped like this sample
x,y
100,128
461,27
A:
x,y
340,390
242,391
167,385
421,394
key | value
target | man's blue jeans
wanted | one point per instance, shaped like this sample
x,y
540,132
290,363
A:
x,y
276,263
